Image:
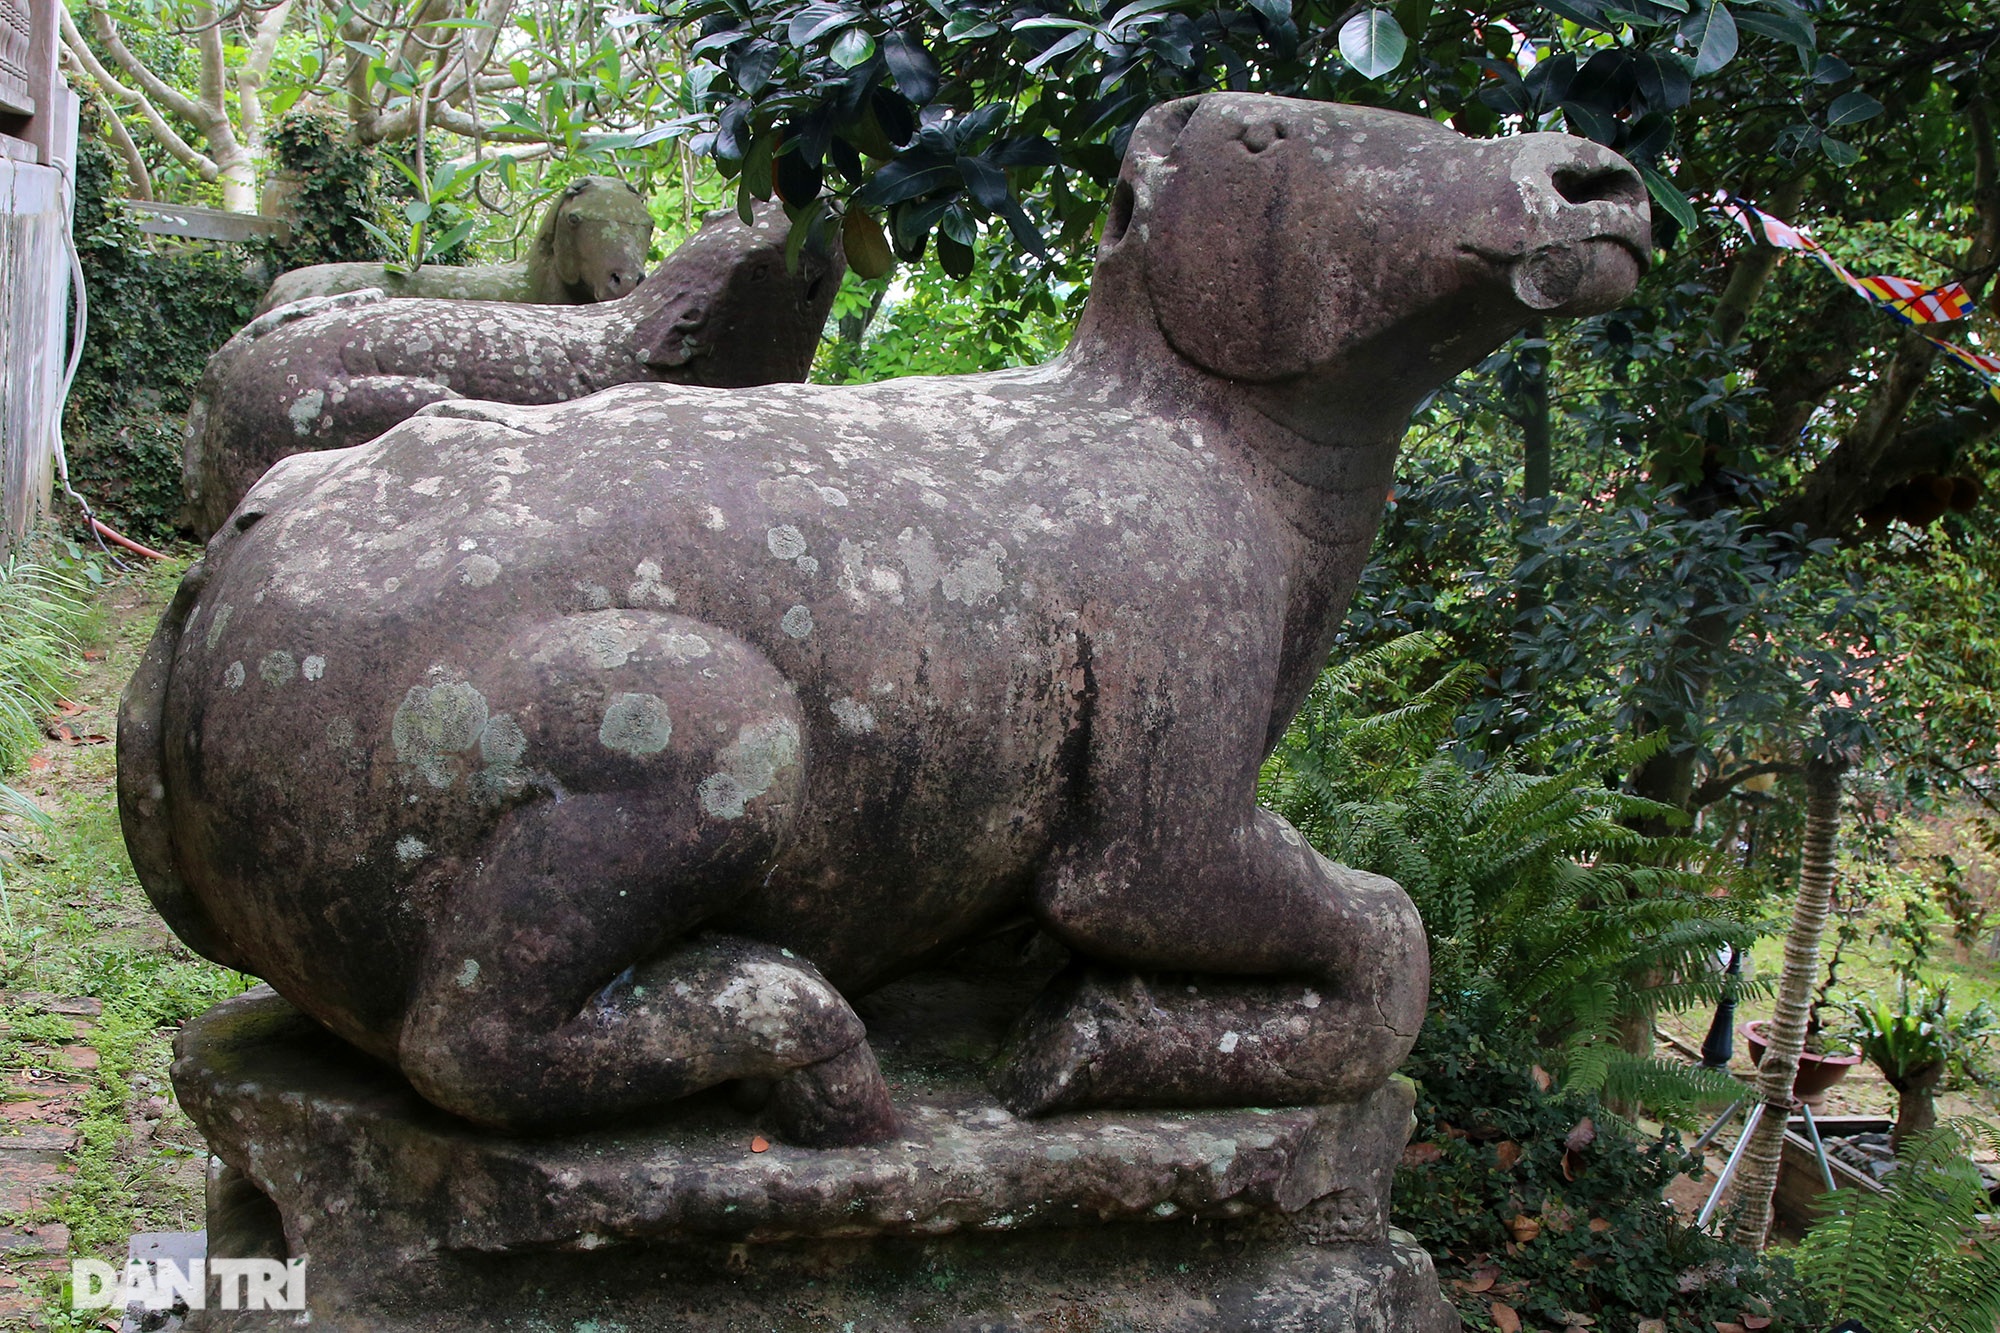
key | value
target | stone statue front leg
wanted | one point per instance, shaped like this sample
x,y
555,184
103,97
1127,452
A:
x,y
1232,969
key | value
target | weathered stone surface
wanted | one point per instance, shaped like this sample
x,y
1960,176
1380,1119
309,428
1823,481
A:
x,y
322,373
1243,1218
575,759
590,246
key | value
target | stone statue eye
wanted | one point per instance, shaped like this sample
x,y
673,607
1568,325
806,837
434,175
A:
x,y
576,219
1259,137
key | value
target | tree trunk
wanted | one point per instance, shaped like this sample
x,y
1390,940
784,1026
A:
x,y
1758,1178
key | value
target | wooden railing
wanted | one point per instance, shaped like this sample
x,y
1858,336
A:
x,y
37,149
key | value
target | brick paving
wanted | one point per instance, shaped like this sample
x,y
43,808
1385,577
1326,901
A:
x,y
38,1114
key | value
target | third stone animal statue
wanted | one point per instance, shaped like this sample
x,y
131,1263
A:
x,y
576,758
591,246
723,311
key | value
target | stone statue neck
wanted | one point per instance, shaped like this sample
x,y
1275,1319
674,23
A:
x,y
1309,439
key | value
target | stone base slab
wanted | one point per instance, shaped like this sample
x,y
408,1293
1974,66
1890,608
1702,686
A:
x,y
699,1219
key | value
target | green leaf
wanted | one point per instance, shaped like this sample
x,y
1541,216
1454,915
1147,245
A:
x,y
1838,153
1832,69
969,28
519,69
417,211
1277,11
1851,109
1711,31
1373,43
853,47
1669,197
1785,26
866,248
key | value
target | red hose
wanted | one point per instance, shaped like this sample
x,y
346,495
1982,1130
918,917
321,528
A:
x,y
117,538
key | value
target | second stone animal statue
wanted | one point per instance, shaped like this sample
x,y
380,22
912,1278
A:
x,y
723,311
591,246
573,759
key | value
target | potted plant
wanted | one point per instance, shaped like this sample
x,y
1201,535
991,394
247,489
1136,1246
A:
x,y
1826,1058
1916,1045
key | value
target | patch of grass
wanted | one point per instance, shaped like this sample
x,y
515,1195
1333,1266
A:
x,y
81,925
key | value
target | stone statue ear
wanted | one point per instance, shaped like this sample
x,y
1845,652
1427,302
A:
x,y
569,255
1235,221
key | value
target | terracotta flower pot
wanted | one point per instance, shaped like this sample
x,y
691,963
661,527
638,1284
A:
x,y
1816,1073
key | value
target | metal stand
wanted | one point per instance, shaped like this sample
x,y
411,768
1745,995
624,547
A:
x,y
1743,1141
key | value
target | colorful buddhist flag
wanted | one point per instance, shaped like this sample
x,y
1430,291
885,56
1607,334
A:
x,y
1979,361
1917,303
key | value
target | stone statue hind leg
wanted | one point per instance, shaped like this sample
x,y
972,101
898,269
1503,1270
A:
x,y
1222,961
652,764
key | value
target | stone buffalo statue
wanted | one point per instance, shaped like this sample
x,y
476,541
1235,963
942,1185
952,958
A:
x,y
722,311
577,758
591,246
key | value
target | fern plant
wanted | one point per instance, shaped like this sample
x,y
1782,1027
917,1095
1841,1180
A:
x,y
39,611
1911,1258
1548,914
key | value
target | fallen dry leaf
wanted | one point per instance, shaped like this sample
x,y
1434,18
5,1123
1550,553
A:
x,y
1523,1228
1581,1136
1542,1079
39,763
1505,1317
1572,1319
1509,1152
1600,1225
93,654
1753,1322
69,708
759,1143
1572,1164
1482,1280
1722,1326
1651,1326
1421,1154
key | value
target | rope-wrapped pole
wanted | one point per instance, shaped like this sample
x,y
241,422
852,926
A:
x,y
1780,1065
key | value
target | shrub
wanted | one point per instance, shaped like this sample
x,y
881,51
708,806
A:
x,y
1551,1212
155,316
1911,1259
1547,914
335,188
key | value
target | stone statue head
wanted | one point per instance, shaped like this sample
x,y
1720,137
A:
x,y
1274,238
730,288
595,238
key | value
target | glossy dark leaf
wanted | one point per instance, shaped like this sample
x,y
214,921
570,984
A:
x,y
986,183
911,66
732,132
904,179
1025,152
954,258
1711,31
797,174
1851,109
1784,26
816,21
751,65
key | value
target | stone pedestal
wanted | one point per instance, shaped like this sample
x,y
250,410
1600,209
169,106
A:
x,y
972,1219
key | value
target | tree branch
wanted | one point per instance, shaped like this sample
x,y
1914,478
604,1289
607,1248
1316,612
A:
x,y
1715,788
156,88
180,149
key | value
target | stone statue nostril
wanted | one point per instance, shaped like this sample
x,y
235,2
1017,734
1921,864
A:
x,y
1605,184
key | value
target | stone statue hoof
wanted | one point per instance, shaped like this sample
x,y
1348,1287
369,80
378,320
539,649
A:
x,y
840,1102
